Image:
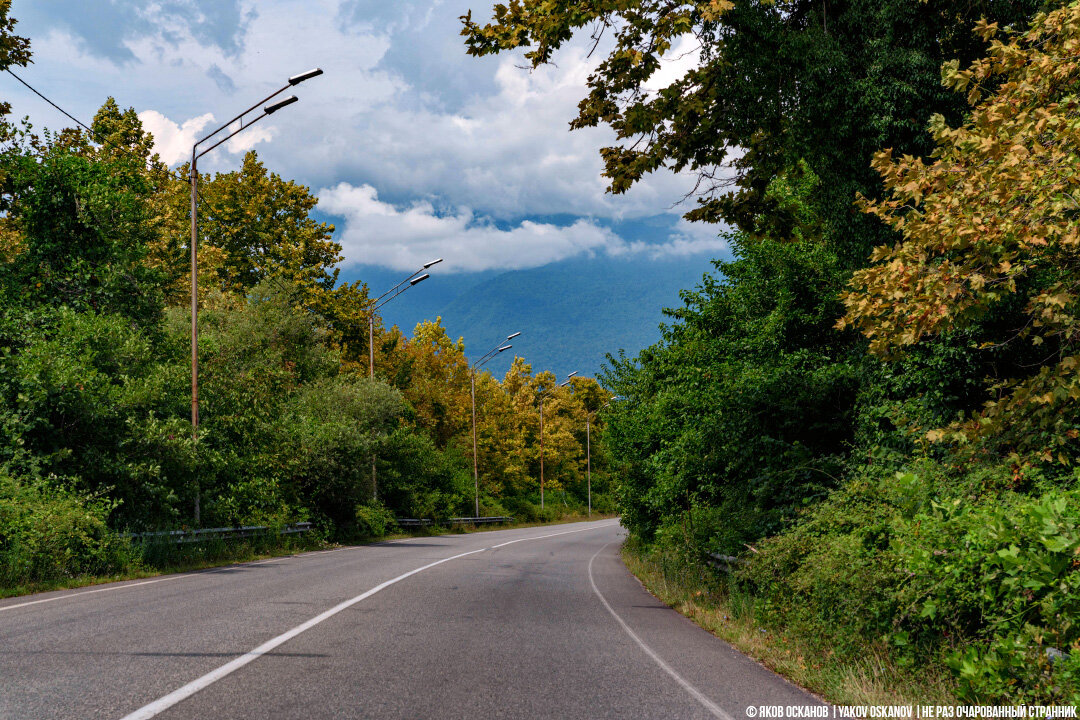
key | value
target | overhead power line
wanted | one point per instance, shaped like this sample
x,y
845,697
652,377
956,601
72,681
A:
x,y
172,173
214,212
90,130
33,90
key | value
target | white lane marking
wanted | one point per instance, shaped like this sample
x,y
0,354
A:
x,y
541,537
177,576
164,703
91,592
182,693
697,694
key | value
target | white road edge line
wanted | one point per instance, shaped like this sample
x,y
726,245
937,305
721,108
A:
x,y
164,703
541,537
175,576
709,705
91,592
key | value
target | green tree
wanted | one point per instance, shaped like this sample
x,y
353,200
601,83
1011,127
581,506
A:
x,y
263,227
992,222
777,82
84,227
749,402
438,383
14,50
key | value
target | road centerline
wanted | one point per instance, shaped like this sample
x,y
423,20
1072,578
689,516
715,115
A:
x,y
185,691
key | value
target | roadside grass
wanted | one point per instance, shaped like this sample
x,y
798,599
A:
x,y
162,559
167,559
871,679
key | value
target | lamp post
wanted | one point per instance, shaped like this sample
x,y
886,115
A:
x,y
588,458
195,155
542,393
414,279
472,384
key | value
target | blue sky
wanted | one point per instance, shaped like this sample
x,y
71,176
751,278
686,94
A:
x,y
415,149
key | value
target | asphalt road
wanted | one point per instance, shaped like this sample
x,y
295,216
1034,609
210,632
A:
x,y
528,623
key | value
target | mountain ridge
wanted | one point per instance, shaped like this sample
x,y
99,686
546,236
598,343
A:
x,y
571,313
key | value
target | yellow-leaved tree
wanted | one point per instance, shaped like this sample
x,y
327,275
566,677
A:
x,y
995,216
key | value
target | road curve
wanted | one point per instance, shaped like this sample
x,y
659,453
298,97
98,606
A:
x,y
527,623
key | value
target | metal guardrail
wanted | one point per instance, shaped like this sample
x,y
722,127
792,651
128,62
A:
x,y
727,563
426,522
222,533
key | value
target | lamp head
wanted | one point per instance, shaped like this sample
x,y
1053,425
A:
x,y
271,109
297,79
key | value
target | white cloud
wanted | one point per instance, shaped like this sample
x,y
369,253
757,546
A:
x,y
171,141
686,239
401,108
380,233
251,137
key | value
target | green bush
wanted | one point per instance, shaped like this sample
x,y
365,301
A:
x,y
984,584
374,521
1004,577
48,533
527,511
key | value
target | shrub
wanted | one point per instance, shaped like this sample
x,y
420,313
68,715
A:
x,y
1003,577
985,584
48,533
374,520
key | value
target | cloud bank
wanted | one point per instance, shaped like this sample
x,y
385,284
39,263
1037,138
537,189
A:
x,y
420,149
403,238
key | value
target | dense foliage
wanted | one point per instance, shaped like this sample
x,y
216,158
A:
x,y
95,368
764,425
793,413
993,221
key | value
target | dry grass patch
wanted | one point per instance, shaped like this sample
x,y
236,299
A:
x,y
873,679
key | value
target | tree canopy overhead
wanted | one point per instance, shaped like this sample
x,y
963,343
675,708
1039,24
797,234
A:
x,y
994,217
14,50
778,81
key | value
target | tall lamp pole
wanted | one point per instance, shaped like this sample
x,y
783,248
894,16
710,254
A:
x,y
542,393
472,384
195,155
414,279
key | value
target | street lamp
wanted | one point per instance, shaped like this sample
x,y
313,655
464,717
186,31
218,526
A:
x,y
195,155
542,393
472,383
415,279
